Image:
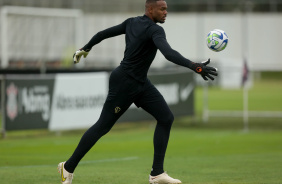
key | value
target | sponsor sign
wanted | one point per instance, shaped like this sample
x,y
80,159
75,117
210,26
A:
x,y
78,100
75,101
28,102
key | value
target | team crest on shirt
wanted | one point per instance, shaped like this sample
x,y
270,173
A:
x,y
117,109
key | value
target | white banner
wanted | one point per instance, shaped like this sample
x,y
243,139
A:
x,y
78,100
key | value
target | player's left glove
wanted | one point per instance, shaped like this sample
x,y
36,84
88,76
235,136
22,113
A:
x,y
204,70
77,55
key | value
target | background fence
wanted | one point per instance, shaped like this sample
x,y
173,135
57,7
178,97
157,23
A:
x,y
118,6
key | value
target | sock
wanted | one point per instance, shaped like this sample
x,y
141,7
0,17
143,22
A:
x,y
67,168
155,172
157,165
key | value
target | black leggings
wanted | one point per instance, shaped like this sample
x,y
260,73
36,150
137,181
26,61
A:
x,y
123,91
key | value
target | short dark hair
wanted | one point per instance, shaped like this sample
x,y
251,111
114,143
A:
x,y
152,1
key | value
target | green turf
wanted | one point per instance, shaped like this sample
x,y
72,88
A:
x,y
195,155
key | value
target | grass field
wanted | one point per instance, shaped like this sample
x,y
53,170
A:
x,y
196,156
218,152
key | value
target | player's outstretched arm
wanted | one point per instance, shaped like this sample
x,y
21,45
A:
x,y
172,55
205,71
97,38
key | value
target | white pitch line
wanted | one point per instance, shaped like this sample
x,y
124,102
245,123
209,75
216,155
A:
x,y
82,162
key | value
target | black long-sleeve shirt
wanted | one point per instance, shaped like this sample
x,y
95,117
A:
x,y
143,37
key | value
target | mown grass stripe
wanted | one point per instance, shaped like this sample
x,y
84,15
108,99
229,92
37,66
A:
x,y
82,162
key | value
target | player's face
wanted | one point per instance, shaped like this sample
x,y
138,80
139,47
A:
x,y
159,11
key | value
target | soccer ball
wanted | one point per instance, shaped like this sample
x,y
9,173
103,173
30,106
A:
x,y
217,40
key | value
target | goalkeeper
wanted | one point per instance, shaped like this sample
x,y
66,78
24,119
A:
x,y
129,84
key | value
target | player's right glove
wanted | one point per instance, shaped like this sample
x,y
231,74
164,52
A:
x,y
77,55
204,70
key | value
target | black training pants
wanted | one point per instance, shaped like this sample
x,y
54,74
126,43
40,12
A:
x,y
123,91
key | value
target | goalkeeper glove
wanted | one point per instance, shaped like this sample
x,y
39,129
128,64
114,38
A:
x,y
204,70
77,55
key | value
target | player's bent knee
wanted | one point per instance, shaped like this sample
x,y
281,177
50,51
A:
x,y
170,118
167,119
105,130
